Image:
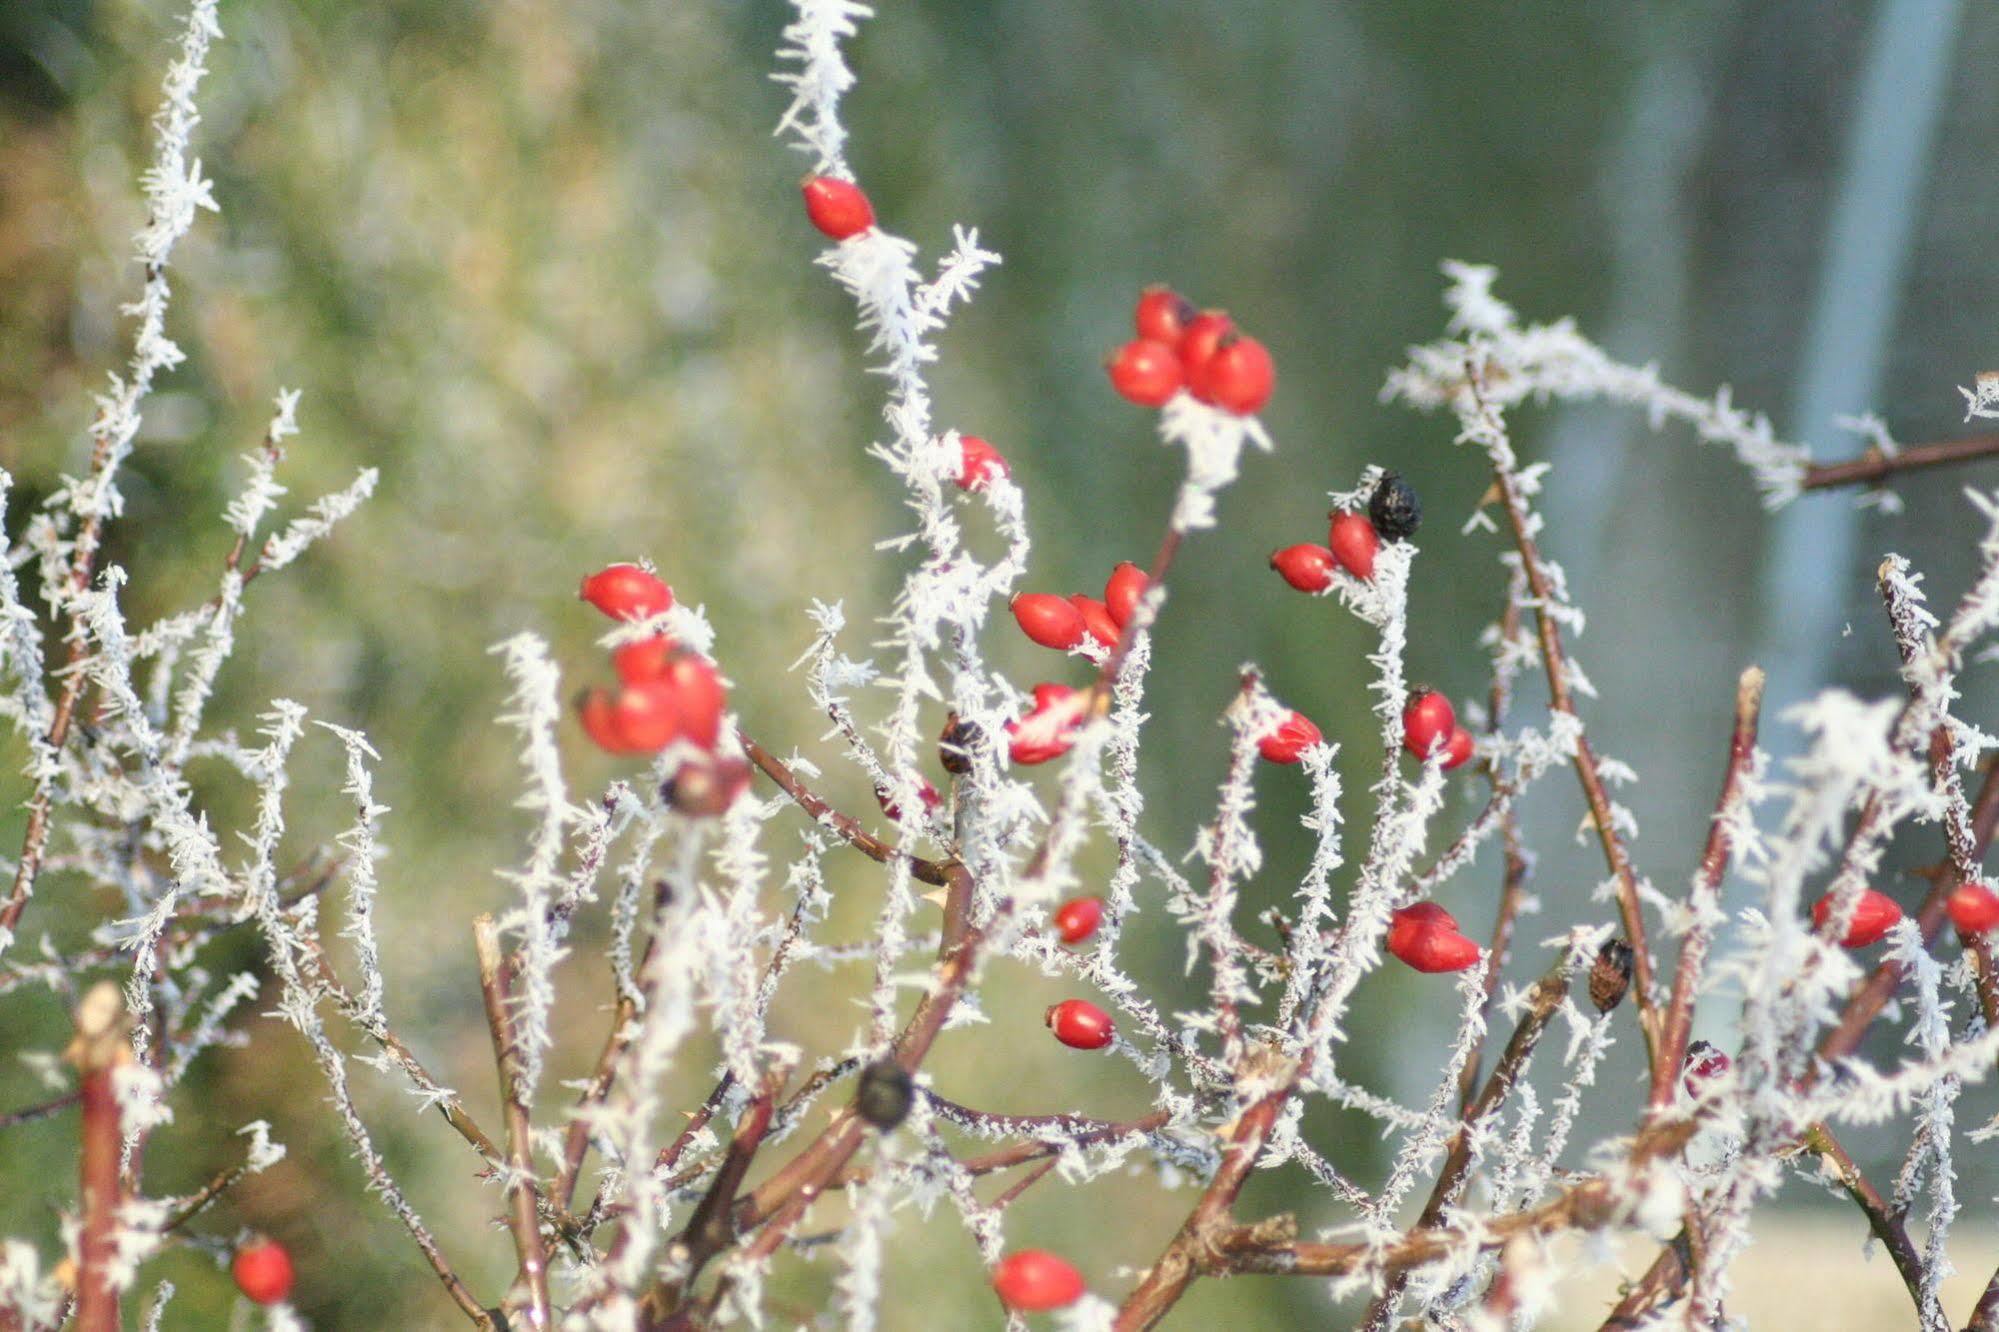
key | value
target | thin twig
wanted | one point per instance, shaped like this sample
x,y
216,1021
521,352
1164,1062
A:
x,y
521,1188
1874,465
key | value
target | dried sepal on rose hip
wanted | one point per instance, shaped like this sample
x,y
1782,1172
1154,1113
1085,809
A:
x,y
1077,919
1145,372
979,463
626,592
1874,914
1080,1024
1287,741
1973,908
1036,1281
1352,540
838,208
263,1271
1610,975
884,1094
1051,621
1394,509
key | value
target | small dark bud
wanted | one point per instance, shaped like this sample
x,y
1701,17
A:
x,y
705,788
1394,509
955,745
884,1095
1610,975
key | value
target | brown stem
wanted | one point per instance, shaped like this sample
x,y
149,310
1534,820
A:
x,y
100,1048
1707,891
1594,1204
1875,465
846,826
521,1189
1186,1255
34,1112
1820,1140
1629,904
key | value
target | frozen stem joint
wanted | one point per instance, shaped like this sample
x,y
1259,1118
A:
x,y
839,208
1080,1024
1036,1281
1874,914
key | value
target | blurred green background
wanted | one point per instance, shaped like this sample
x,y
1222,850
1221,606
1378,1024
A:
x,y
543,265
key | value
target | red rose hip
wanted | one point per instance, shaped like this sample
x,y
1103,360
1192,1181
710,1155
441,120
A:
x,y
1049,620
837,207
1198,342
1973,908
1307,567
1080,1024
263,1271
978,463
1289,739
1035,1281
699,697
626,592
1704,1063
646,716
1077,919
1873,916
1414,919
1098,622
1239,377
644,660
1145,372
1354,542
1162,314
1458,749
598,716
1435,949
1127,584
1428,719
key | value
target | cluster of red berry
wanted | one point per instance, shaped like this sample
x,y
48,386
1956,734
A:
x,y
1353,539
1066,624
1973,908
1201,351
663,695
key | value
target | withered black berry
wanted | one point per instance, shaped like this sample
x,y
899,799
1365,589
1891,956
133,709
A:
x,y
1394,509
884,1095
1610,975
955,745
